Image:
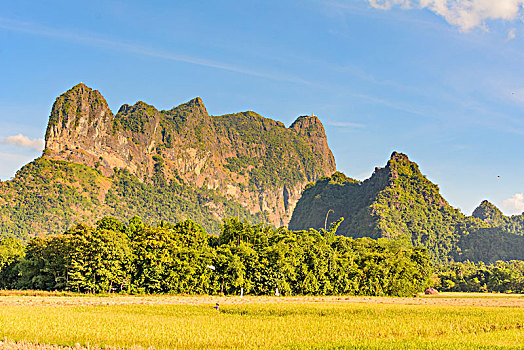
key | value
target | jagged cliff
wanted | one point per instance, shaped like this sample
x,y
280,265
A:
x,y
241,158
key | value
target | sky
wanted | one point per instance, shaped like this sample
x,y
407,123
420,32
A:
x,y
439,80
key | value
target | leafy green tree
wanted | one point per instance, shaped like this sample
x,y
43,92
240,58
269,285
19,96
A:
x,y
11,252
183,258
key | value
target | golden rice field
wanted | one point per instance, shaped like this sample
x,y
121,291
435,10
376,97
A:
x,y
449,321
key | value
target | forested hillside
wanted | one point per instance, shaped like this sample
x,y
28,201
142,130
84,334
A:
x,y
398,200
171,165
48,196
492,215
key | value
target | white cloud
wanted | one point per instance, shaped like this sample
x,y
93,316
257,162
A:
x,y
515,204
465,14
387,4
24,141
512,34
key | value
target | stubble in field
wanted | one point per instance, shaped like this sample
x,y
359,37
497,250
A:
x,y
449,321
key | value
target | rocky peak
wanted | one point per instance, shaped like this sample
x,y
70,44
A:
x,y
79,89
193,109
138,107
308,125
78,115
398,157
198,103
489,213
399,163
251,159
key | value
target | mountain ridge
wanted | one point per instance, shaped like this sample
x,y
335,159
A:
x,y
399,200
242,158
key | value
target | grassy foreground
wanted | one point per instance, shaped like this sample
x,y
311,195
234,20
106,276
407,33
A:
x,y
297,324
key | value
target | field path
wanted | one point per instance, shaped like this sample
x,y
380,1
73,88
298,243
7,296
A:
x,y
444,299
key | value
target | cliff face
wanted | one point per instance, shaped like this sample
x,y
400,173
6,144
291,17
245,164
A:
x,y
252,160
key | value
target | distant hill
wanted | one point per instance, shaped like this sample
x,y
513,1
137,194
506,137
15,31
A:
x,y
162,165
492,215
399,200
490,245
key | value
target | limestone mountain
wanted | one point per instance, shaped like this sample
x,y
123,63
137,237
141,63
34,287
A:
x,y
489,213
492,215
162,165
395,200
490,245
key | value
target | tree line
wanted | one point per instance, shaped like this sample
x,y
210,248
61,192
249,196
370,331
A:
x,y
183,258
501,277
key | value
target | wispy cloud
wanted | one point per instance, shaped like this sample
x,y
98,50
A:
x,y
386,4
404,107
512,34
515,204
348,125
92,40
464,14
23,141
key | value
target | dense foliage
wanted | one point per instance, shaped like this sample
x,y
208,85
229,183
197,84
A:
x,y
502,277
48,196
277,156
490,245
492,215
183,258
399,200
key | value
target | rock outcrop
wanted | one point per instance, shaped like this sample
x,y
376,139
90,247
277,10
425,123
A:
x,y
252,160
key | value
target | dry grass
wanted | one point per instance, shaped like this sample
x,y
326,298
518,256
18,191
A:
x,y
23,345
444,322
11,298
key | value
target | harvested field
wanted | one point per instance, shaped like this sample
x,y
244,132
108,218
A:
x,y
446,321
443,299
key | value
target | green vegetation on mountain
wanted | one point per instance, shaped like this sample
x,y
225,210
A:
x,y
492,215
48,196
490,245
399,200
173,202
501,277
396,200
162,165
183,258
277,157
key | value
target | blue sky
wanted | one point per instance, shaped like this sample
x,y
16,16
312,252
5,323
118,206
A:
x,y
441,81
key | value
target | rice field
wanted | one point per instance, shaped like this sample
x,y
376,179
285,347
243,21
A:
x,y
449,321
